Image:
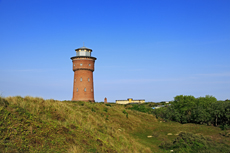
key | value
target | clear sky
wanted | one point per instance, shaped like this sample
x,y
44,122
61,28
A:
x,y
145,49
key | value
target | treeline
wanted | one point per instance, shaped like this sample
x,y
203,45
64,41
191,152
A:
x,y
202,110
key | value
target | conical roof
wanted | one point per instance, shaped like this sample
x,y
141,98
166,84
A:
x,y
83,48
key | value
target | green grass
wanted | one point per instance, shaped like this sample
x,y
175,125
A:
x,y
32,124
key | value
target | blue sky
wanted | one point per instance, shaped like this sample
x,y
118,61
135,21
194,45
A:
x,y
149,49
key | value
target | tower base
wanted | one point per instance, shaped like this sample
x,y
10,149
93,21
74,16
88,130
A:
x,y
85,100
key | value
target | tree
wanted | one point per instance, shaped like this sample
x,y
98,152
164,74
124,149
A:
x,y
184,105
201,115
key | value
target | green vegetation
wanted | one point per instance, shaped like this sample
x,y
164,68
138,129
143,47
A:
x,y
141,108
127,115
189,142
202,110
36,125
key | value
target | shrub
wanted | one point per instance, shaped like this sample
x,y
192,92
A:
x,y
108,105
127,115
189,141
93,110
124,112
106,109
224,127
141,108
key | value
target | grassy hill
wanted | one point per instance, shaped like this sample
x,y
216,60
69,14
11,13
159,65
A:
x,y
36,125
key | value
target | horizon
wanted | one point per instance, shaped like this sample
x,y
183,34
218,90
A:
x,y
152,50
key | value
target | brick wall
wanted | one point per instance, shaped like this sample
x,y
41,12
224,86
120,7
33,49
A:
x,y
83,89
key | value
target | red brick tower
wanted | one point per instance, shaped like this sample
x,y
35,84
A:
x,y
83,67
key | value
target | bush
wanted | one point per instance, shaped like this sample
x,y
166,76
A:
x,y
93,110
106,109
141,108
225,127
189,142
127,115
108,105
124,112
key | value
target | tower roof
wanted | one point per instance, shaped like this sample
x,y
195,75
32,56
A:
x,y
83,48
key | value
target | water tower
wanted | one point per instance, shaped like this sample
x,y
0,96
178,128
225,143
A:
x,y
83,67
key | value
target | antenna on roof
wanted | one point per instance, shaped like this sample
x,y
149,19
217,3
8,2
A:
x,y
83,44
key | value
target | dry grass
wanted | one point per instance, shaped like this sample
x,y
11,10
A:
x,y
100,122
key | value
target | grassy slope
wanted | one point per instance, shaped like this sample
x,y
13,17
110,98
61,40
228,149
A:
x,y
36,125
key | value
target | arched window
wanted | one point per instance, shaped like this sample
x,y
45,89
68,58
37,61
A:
x,y
89,64
85,89
80,79
88,79
81,64
77,89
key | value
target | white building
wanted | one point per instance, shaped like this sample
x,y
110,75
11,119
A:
x,y
130,101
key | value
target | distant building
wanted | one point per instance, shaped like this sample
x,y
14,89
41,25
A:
x,y
130,101
105,100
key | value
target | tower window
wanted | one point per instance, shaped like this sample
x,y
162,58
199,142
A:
x,y
74,65
88,79
89,64
92,90
85,89
80,79
77,89
81,64
74,80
